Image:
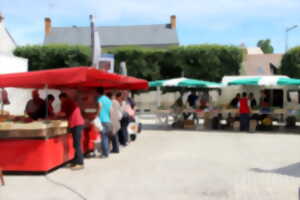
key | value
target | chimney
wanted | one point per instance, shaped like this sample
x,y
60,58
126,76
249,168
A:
x,y
173,22
1,17
48,26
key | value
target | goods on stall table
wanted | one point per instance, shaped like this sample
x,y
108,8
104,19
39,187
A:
x,y
190,124
32,125
46,128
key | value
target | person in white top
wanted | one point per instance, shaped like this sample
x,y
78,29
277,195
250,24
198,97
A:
x,y
128,108
116,116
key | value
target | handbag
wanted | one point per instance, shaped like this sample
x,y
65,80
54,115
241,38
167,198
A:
x,y
98,124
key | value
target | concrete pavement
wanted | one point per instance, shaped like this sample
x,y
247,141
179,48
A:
x,y
179,165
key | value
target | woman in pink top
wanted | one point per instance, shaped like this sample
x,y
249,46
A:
x,y
76,123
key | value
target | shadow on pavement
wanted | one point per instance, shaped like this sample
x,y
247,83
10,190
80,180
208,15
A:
x,y
290,170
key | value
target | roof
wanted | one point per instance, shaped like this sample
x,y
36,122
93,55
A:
x,y
7,43
10,36
259,64
115,35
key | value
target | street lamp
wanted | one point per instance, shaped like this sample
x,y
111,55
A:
x,y
287,36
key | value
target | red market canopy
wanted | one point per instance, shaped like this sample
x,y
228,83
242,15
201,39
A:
x,y
71,78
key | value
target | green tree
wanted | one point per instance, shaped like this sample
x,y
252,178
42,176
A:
x,y
265,46
141,62
207,62
54,56
290,63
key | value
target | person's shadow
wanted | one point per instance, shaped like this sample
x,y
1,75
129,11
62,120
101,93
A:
x,y
290,170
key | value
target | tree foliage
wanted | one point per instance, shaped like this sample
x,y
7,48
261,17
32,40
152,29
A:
x,y
140,62
290,63
265,46
54,56
206,62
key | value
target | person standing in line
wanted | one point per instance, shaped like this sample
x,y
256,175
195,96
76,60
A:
x,y
121,132
128,107
244,112
72,111
116,116
105,106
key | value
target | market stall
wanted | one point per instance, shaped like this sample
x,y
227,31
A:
x,y
178,112
40,146
276,89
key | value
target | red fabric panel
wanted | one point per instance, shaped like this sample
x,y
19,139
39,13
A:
x,y
35,155
90,135
71,78
30,155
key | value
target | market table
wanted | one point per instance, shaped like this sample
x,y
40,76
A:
x,y
39,149
162,116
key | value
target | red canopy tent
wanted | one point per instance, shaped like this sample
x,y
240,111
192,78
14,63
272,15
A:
x,y
71,77
42,155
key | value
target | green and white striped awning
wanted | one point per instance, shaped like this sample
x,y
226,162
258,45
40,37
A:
x,y
262,81
184,82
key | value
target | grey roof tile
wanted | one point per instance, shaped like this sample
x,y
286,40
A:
x,y
115,35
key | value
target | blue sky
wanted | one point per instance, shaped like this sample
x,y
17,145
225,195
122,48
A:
x,y
198,21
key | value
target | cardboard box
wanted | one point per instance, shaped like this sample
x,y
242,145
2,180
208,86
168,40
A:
x,y
189,124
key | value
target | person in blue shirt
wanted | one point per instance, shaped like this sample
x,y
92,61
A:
x,y
105,105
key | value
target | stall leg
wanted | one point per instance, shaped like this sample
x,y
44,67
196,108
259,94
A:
x,y
1,177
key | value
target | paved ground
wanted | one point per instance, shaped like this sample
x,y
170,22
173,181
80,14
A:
x,y
172,165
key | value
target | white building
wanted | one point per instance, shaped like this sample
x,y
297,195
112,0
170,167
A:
x,y
11,64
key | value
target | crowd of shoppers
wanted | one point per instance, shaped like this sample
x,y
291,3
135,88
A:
x,y
115,112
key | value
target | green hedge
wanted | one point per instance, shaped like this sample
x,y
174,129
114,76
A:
x,y
54,56
290,63
207,62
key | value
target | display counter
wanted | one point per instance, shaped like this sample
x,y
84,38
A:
x,y
33,130
38,146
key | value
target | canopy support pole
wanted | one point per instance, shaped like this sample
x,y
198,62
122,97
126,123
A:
x,y
2,103
158,95
47,93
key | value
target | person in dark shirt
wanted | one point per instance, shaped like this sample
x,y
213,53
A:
x,y
234,102
192,98
36,107
252,100
264,100
49,101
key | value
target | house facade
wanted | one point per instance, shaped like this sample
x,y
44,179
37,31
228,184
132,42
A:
x,y
152,36
11,64
257,63
7,43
